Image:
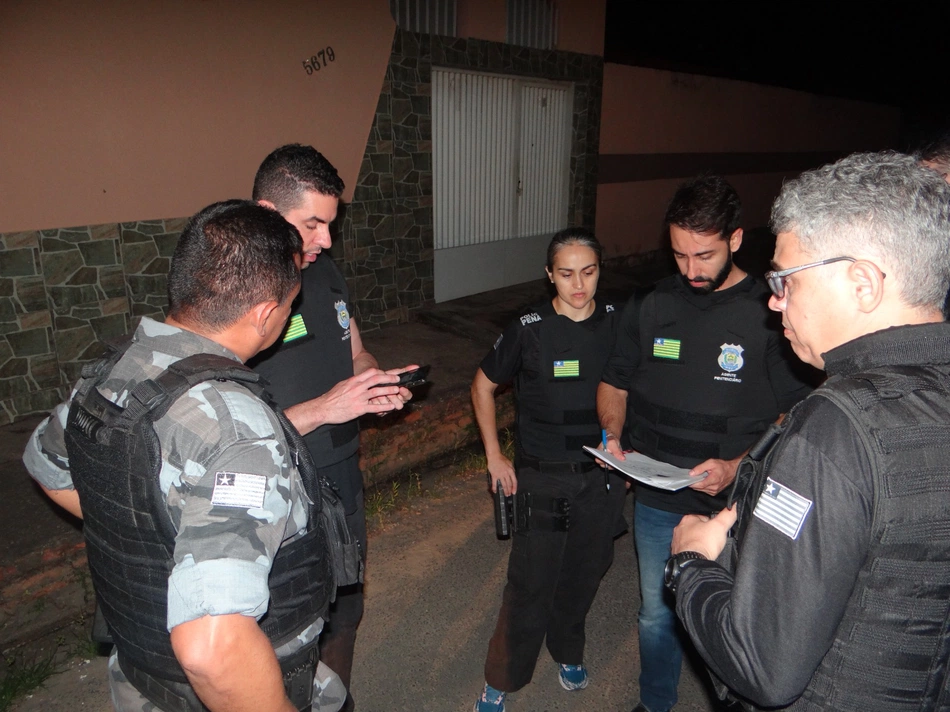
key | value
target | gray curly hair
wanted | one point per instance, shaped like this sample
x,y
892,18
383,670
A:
x,y
875,205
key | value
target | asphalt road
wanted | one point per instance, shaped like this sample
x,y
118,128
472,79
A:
x,y
435,577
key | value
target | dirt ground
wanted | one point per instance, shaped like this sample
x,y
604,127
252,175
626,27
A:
x,y
435,577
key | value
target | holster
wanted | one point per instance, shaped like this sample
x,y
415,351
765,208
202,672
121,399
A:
x,y
522,512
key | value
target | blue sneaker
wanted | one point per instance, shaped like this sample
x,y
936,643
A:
x,y
572,677
491,700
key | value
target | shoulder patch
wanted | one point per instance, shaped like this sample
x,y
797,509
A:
x,y
530,318
782,508
238,489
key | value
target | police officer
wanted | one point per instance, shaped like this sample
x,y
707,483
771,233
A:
x,y
841,596
182,555
554,353
697,375
319,371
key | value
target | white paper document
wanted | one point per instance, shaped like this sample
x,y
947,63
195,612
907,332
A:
x,y
647,470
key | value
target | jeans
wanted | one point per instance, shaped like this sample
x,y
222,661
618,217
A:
x,y
661,654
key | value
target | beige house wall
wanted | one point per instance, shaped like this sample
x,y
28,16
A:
x,y
580,24
115,111
659,127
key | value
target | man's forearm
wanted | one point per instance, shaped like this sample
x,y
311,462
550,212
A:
x,y
746,659
67,499
364,361
306,416
611,408
231,664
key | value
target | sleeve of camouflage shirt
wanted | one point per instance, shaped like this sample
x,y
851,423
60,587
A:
x,y
45,454
234,497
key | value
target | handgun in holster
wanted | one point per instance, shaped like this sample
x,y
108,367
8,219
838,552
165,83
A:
x,y
514,513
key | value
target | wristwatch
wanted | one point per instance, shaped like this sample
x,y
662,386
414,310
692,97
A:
x,y
675,566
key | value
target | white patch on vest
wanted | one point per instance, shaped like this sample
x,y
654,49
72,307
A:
x,y
782,508
530,318
238,489
609,308
730,361
342,314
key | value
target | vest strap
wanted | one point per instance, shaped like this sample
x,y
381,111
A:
x,y
556,467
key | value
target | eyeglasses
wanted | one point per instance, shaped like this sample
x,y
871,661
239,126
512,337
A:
x,y
776,280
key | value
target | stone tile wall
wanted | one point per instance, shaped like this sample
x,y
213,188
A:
x,y
388,229
63,292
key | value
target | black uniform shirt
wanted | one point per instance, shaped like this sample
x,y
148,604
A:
x,y
556,364
765,632
692,374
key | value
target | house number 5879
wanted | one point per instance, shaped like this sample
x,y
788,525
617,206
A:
x,y
319,60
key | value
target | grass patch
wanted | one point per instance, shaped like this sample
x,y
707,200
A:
x,y
21,676
384,499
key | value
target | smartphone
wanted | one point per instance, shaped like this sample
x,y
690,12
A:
x,y
410,379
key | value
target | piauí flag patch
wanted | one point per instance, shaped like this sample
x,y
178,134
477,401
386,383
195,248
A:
x,y
666,348
567,369
782,508
295,329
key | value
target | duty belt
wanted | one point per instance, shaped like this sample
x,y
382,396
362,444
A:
x,y
556,467
524,511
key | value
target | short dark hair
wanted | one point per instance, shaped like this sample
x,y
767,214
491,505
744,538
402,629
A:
x,y
707,205
290,172
232,256
573,236
936,148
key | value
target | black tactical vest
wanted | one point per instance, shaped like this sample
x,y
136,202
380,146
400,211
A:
x,y
701,389
892,648
558,415
723,398
115,459
313,355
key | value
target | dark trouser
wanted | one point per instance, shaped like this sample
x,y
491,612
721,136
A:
x,y
338,638
553,576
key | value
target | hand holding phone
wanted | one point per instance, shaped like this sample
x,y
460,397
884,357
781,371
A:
x,y
411,379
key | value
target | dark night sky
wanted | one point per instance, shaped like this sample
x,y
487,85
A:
x,y
895,54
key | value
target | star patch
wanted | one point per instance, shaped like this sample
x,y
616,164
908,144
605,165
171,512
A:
x,y
238,489
782,508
